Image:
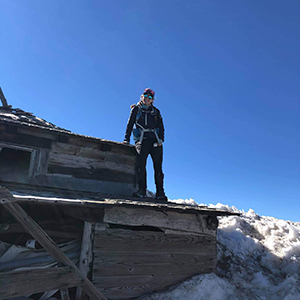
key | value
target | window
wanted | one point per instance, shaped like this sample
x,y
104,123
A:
x,y
14,164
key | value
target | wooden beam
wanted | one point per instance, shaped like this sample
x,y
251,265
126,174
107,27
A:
x,y
39,162
17,228
23,139
130,287
64,294
129,263
152,241
165,220
82,162
8,201
3,99
92,152
86,256
97,173
21,283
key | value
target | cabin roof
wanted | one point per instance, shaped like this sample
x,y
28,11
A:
x,y
19,117
99,201
24,193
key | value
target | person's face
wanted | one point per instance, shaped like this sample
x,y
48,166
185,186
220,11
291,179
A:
x,y
147,99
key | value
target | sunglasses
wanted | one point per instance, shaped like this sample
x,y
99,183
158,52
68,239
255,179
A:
x,y
148,96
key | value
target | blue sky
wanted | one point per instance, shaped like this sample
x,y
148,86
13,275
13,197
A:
x,y
226,76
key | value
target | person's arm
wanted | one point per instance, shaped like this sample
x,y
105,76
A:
x,y
130,124
161,132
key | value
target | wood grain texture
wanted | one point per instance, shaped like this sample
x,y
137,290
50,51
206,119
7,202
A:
x,y
129,287
86,255
8,201
164,220
150,241
24,139
86,185
102,144
75,161
22,283
154,263
84,213
93,174
17,147
130,263
35,131
39,162
93,152
64,294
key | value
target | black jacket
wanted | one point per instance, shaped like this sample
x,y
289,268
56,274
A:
x,y
149,118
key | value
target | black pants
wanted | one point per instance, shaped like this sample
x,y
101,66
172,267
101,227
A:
x,y
144,149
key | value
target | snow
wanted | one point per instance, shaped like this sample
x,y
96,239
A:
x,y
258,258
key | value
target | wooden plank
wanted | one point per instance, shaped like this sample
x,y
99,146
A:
x,y
64,229
24,139
64,294
93,152
76,161
165,220
16,228
143,241
84,213
107,263
38,132
101,200
129,287
39,162
3,99
14,146
93,174
86,256
22,283
103,145
7,200
87,185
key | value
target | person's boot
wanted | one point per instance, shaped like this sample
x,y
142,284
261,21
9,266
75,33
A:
x,y
161,196
139,194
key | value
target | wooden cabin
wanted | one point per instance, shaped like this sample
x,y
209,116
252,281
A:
x,y
57,187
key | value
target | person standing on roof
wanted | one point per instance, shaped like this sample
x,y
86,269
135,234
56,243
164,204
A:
x,y
149,134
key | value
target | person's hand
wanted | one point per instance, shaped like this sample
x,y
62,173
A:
x,y
160,142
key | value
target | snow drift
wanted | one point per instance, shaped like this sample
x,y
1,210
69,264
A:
x,y
258,258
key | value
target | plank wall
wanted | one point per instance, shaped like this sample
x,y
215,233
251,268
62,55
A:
x,y
130,261
71,161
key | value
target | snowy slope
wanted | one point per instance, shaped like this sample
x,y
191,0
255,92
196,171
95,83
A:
x,y
259,258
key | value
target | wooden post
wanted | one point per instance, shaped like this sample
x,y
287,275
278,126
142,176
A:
x,y
64,294
8,201
86,256
3,99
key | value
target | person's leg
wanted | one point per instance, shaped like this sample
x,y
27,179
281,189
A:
x,y
143,151
157,158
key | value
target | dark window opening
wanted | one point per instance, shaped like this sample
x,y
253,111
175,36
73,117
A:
x,y
14,164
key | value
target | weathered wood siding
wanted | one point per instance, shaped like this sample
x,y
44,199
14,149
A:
x,y
151,254
169,222
92,162
69,161
20,283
